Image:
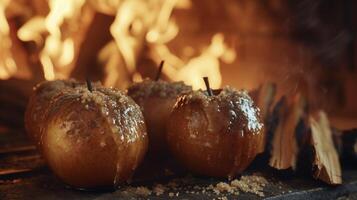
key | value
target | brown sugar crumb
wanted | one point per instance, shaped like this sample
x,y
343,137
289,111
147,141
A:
x,y
158,88
223,187
143,191
249,184
252,184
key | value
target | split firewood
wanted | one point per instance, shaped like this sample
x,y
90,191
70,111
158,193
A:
x,y
263,98
284,148
326,164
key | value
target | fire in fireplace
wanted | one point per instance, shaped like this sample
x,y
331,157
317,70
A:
x,y
295,58
294,44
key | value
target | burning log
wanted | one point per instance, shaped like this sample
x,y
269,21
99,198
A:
x,y
326,165
284,145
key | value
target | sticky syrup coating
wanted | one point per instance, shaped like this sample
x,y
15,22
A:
x,y
215,135
94,139
38,104
156,100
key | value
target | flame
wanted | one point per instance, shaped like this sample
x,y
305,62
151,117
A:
x,y
7,64
137,24
206,64
141,27
32,30
150,22
58,50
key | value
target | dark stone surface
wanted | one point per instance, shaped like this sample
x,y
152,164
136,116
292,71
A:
x,y
31,179
46,186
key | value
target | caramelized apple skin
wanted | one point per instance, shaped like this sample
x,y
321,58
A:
x,y
156,113
210,137
156,100
94,140
39,102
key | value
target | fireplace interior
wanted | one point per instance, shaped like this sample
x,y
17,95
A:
x,y
295,59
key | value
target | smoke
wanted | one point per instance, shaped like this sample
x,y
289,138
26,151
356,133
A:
x,y
324,26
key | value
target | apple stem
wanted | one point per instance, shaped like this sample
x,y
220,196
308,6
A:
x,y
209,91
89,85
158,74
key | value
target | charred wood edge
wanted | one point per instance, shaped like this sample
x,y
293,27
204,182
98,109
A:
x,y
306,152
264,100
271,120
284,143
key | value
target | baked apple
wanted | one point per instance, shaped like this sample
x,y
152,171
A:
x,y
156,100
94,139
38,104
215,133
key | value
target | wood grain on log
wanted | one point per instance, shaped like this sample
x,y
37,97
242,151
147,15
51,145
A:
x,y
326,162
284,145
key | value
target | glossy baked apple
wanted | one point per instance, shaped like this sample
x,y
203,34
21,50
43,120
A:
x,y
38,104
215,135
94,139
156,100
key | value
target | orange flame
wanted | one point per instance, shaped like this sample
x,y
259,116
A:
x,y
140,26
58,49
7,64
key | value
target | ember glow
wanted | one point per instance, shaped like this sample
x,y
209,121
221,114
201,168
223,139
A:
x,y
139,26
